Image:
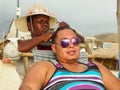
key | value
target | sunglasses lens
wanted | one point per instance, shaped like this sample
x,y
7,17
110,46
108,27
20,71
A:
x,y
64,43
75,41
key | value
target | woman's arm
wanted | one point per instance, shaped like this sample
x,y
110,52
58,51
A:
x,y
36,76
111,82
27,45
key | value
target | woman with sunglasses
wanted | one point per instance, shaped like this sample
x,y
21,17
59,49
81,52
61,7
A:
x,y
67,73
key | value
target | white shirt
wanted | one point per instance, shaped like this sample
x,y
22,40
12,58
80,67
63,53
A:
x,y
11,49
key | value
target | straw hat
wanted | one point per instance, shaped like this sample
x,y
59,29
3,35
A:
x,y
21,23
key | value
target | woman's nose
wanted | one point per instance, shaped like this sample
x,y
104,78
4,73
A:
x,y
71,44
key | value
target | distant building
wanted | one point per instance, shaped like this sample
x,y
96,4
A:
x,y
94,43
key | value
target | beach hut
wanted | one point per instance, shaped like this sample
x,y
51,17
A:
x,y
94,42
107,56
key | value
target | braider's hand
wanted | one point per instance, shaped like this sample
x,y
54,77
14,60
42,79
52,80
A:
x,y
47,36
62,24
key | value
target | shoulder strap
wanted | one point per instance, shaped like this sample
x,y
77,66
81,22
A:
x,y
56,63
92,66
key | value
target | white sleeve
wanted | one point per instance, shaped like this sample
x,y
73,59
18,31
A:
x,y
11,49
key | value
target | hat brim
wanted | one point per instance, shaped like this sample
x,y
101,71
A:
x,y
21,23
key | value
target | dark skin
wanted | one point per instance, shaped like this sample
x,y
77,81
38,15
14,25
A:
x,y
40,33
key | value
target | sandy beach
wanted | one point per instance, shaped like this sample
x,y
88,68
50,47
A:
x,y
9,78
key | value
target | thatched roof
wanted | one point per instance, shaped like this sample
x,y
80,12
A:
x,y
110,52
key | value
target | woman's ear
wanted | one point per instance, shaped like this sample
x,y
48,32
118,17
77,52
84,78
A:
x,y
53,48
29,26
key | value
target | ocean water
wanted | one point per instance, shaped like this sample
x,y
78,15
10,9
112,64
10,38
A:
x,y
107,45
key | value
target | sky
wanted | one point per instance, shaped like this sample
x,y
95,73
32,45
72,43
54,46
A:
x,y
90,17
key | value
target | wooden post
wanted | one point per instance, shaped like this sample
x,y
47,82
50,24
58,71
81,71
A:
x,y
118,22
25,59
89,50
26,64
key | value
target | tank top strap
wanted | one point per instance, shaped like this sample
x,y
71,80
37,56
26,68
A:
x,y
56,63
92,66
89,64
